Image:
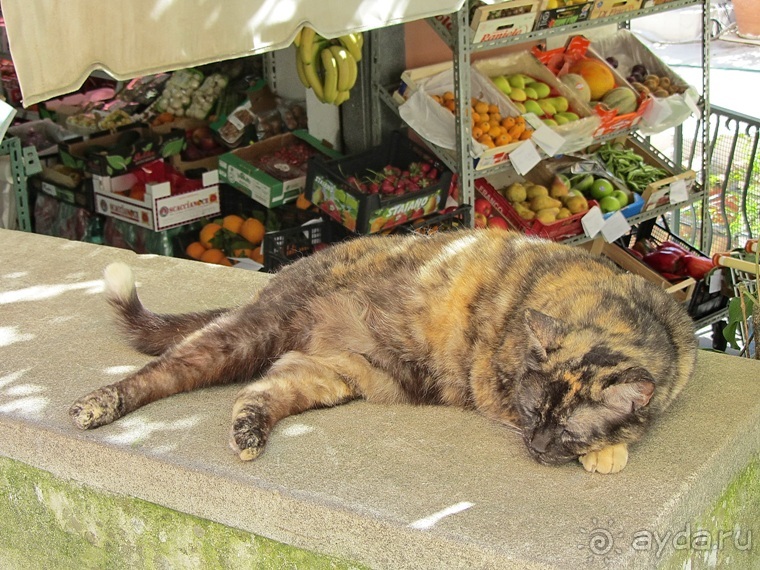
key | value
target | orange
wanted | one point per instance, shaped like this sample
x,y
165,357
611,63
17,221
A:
x,y
448,96
450,104
207,233
257,255
484,117
241,252
302,203
508,122
487,141
493,109
501,140
232,223
526,134
252,230
215,255
195,250
477,132
437,99
476,117
481,107
516,131
484,126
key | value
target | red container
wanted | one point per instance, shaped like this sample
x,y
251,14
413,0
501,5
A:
x,y
557,231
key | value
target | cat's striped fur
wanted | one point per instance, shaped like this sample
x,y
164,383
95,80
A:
x,y
576,354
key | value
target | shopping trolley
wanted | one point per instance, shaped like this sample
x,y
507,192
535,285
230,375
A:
x,y
744,307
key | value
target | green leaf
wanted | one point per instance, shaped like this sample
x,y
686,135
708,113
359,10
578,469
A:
x,y
117,162
172,147
735,318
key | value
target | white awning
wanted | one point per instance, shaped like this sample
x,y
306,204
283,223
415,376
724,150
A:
x,y
56,44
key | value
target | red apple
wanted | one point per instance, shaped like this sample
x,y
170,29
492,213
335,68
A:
x,y
482,206
481,221
497,221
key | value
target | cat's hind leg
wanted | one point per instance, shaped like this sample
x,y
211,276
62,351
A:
x,y
295,383
220,353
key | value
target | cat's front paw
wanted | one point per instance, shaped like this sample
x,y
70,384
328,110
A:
x,y
97,408
609,460
249,434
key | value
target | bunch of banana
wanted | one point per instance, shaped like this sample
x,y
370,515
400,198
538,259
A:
x,y
328,67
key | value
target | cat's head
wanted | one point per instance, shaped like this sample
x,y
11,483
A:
x,y
576,393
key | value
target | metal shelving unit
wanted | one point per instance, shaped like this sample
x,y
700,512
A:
x,y
24,163
460,42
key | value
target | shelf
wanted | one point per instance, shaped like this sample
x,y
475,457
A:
x,y
448,37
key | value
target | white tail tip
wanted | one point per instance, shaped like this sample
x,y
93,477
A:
x,y
119,280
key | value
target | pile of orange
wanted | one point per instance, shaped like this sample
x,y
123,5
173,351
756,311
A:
x,y
232,236
489,128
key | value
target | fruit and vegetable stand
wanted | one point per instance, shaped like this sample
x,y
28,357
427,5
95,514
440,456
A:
x,y
561,122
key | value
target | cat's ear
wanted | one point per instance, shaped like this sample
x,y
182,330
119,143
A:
x,y
632,391
545,332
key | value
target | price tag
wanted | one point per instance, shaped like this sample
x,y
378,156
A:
x,y
593,222
533,120
525,157
615,226
716,281
210,178
7,112
678,191
549,141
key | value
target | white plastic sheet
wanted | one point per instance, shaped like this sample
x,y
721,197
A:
x,y
56,45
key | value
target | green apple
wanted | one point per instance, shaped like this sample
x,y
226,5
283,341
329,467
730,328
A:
x,y
609,204
583,182
601,188
621,197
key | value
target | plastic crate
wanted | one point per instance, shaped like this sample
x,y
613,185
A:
x,y
449,221
702,302
286,246
559,230
328,188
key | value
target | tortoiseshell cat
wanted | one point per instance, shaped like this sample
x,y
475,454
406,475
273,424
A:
x,y
547,338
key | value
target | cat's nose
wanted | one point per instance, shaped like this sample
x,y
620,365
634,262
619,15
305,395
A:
x,y
540,441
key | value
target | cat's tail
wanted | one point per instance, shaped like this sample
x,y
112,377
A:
x,y
148,332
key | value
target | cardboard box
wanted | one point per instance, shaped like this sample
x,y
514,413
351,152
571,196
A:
x,y
236,169
657,193
160,210
112,154
80,196
681,291
604,8
503,20
563,15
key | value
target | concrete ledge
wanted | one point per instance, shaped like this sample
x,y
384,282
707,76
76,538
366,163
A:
x,y
385,487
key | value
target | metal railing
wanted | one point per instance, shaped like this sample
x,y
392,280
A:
x,y
733,188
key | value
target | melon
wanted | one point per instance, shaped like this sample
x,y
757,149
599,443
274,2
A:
x,y
597,74
577,85
622,99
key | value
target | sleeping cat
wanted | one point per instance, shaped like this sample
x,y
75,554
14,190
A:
x,y
575,354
